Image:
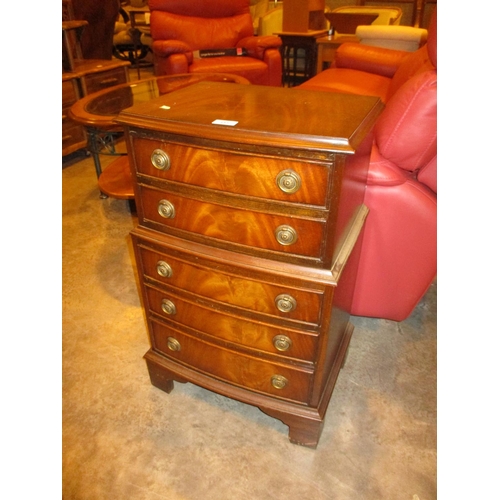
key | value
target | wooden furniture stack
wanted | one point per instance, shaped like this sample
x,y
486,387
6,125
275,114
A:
x,y
250,206
81,77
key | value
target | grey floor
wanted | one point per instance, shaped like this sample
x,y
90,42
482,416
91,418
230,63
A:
x,y
125,439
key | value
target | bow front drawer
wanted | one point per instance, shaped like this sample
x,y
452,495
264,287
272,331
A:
x,y
226,220
263,177
279,380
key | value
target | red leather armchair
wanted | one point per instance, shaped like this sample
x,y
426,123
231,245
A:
x,y
180,28
399,248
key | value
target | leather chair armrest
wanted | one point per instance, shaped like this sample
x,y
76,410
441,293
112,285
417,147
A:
x,y
376,60
165,48
257,45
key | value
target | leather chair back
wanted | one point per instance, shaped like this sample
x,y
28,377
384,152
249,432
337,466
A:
x,y
424,59
202,8
406,131
202,24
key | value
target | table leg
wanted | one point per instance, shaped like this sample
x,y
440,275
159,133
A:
x,y
97,143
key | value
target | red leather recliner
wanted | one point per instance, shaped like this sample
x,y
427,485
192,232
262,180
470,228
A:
x,y
179,28
399,248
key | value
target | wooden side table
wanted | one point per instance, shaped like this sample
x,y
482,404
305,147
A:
x,y
327,47
297,47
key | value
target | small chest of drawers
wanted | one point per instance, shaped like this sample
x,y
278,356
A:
x,y
250,208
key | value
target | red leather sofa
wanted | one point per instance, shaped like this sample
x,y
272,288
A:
x,y
180,29
399,247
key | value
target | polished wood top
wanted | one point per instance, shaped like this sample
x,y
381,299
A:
x,y
260,115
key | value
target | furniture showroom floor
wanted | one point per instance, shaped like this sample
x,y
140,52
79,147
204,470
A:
x,y
125,439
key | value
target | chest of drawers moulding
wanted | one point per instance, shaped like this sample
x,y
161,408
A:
x,y
250,209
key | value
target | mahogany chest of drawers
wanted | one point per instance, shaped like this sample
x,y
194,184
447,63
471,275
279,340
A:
x,y
250,209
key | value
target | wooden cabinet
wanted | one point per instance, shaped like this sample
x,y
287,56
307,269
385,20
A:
x,y
88,76
250,208
81,77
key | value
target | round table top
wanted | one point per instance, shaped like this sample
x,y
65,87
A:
x,y
99,109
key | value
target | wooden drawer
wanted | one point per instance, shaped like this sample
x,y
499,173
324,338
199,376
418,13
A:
x,y
234,173
236,368
104,79
70,92
237,224
226,324
73,136
224,285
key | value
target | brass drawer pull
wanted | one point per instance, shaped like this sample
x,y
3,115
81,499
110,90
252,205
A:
x,y
166,209
160,159
173,344
279,382
282,342
285,303
163,269
285,235
288,181
168,307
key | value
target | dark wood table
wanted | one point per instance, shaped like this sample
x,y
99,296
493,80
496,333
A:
x,y
299,53
97,112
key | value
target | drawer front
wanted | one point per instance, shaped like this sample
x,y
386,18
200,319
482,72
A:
x,y
282,381
299,236
69,93
105,79
72,133
249,332
201,279
269,178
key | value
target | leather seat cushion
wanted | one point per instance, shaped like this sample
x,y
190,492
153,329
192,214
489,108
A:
x,y
252,69
349,81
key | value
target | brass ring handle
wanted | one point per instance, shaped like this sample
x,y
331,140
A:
x,y
282,342
160,159
285,303
285,235
163,269
173,344
279,382
288,181
166,209
168,307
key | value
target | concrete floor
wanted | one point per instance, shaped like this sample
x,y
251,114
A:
x,y
125,439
